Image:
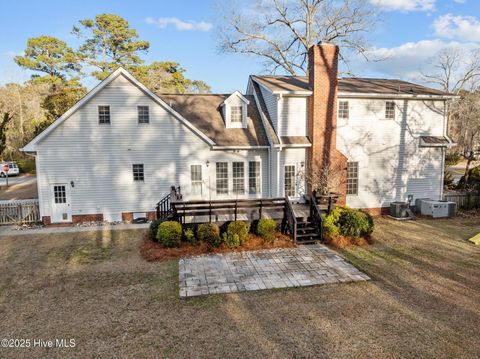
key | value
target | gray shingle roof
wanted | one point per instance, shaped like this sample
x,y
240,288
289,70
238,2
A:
x,y
205,113
350,85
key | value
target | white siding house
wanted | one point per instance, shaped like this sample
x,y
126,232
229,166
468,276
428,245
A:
x,y
391,163
121,148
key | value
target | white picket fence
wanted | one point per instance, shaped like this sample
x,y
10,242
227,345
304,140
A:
x,y
19,211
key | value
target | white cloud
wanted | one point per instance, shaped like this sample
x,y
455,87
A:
x,y
406,5
180,25
466,28
408,60
460,1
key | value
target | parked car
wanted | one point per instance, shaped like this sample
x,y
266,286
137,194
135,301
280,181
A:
x,y
12,169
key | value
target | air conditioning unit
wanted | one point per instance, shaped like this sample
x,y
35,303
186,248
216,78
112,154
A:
x,y
438,209
418,204
398,209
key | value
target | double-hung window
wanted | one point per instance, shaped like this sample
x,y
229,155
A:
x,y
138,174
222,177
254,177
143,114
343,110
352,178
236,114
390,110
104,115
196,178
289,181
238,178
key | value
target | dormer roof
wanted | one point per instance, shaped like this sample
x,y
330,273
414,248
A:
x,y
234,95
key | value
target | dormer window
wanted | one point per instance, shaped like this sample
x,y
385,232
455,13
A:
x,y
234,110
236,114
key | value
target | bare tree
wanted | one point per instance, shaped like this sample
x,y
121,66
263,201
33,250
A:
x,y
326,177
466,118
281,31
454,70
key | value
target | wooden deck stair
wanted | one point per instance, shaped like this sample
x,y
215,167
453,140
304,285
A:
x,y
307,230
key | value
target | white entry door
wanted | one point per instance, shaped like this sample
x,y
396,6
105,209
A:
x,y
61,209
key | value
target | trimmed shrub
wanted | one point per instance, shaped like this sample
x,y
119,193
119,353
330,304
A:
x,y
231,240
189,236
169,234
210,234
348,222
236,234
239,228
266,229
153,230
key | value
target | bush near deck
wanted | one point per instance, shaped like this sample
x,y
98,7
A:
x,y
348,222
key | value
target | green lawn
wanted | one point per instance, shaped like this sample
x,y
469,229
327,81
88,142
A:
x,y
422,302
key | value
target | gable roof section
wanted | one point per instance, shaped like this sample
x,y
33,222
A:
x,y
268,125
31,146
353,85
236,94
204,112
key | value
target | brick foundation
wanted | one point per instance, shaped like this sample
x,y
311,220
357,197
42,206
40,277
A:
x,y
78,218
46,220
128,216
327,165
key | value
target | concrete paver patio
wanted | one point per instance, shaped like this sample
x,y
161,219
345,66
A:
x,y
265,269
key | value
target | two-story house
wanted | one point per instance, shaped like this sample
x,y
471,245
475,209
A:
x,y
121,148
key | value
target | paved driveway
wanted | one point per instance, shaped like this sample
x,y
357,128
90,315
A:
x,y
266,269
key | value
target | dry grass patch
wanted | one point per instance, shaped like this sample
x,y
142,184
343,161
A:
x,y
95,287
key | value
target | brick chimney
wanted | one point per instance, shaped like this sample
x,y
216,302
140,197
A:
x,y
325,162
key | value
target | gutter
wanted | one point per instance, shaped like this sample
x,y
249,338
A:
x,y
218,148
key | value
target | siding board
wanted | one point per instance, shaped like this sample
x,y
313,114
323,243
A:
x,y
99,158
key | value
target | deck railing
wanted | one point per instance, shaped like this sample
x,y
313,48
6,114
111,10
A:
x,y
316,216
289,223
164,206
228,207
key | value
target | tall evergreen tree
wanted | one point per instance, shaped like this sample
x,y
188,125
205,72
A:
x,y
109,42
49,56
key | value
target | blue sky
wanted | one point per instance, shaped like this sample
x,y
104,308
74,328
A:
x,y
410,33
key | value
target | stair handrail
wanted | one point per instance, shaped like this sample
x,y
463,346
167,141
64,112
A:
x,y
316,215
291,219
164,207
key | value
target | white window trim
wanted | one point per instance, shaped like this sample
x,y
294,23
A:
x,y
109,115
202,181
229,179
358,179
149,115
345,119
295,179
245,166
384,116
144,173
259,194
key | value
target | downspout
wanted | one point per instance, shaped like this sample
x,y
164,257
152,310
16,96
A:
x,y
280,143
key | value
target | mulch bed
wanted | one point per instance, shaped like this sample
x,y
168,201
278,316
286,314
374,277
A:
x,y
342,242
152,251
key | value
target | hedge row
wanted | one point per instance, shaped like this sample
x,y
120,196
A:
x,y
170,234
